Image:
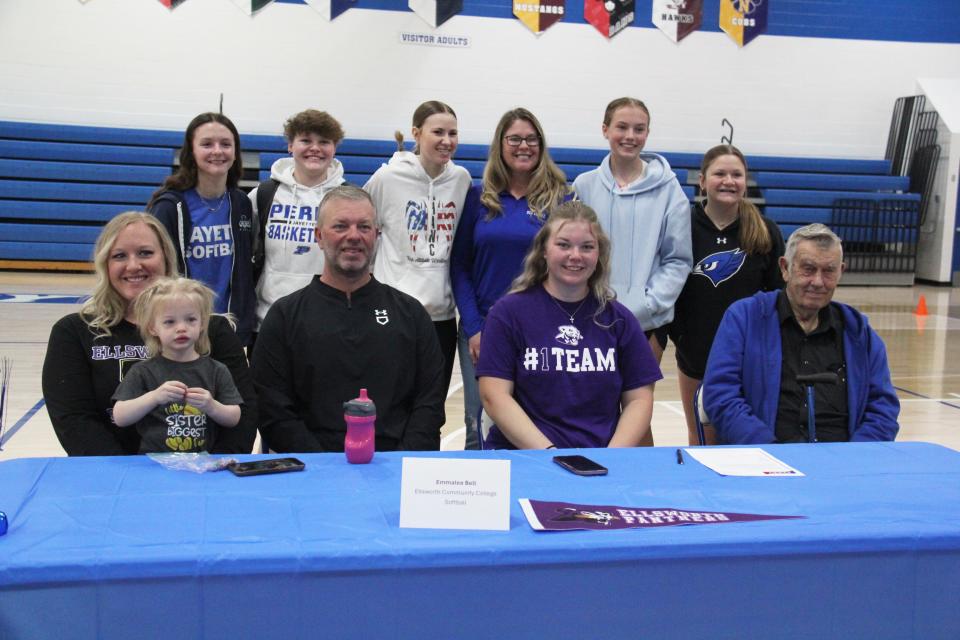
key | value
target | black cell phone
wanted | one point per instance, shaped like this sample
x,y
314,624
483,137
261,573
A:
x,y
580,465
261,467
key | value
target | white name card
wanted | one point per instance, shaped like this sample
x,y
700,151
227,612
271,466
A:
x,y
454,493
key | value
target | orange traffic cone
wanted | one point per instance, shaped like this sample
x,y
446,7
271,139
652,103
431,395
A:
x,y
921,307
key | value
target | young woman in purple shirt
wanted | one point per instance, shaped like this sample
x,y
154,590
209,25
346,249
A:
x,y
563,364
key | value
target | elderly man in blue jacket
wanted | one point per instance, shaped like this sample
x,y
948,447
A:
x,y
750,389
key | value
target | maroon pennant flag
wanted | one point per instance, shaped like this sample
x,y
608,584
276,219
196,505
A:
x,y
567,516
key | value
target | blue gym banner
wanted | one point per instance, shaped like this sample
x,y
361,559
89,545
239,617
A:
x,y
435,12
330,9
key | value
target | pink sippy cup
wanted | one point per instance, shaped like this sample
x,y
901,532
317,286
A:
x,y
360,415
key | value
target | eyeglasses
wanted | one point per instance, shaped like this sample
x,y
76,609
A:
x,y
514,141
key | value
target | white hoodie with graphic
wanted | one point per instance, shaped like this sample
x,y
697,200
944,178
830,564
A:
x,y
418,218
291,254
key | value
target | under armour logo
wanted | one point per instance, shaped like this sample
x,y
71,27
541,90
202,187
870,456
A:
x,y
721,241
381,316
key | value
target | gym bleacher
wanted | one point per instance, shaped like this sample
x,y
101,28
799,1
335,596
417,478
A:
x,y
60,183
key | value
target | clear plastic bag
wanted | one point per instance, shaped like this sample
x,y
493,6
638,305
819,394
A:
x,y
195,462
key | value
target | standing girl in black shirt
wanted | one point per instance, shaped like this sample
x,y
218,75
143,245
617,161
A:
x,y
735,254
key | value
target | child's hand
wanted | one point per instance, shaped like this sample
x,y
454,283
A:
x,y
199,398
170,391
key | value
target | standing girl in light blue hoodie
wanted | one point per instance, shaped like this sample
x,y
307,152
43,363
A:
x,y
646,214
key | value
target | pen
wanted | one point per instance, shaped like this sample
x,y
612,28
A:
x,y
679,456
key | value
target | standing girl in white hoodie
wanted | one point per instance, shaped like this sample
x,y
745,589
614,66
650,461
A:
x,y
419,199
646,214
285,253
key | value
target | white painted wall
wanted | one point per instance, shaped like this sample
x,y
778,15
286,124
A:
x,y
135,63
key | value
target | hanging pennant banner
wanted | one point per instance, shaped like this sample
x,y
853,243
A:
x,y
436,12
677,18
330,9
743,20
539,15
250,7
171,4
609,17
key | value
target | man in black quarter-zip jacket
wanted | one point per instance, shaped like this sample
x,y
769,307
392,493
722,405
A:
x,y
345,331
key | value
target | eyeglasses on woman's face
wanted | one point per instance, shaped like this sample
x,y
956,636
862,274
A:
x,y
516,141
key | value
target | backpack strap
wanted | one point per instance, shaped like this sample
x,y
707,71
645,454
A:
x,y
265,192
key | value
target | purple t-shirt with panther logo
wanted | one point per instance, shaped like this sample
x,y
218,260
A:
x,y
567,377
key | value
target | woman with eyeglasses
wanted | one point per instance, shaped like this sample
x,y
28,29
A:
x,y
521,184
419,200
646,214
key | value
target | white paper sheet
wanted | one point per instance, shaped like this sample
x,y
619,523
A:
x,y
455,493
749,461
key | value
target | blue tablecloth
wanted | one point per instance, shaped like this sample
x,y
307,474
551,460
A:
x,y
123,548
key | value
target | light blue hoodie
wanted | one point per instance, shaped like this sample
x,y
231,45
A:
x,y
649,227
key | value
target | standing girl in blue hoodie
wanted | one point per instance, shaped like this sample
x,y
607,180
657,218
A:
x,y
646,214
419,200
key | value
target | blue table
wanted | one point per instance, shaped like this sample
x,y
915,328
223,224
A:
x,y
123,548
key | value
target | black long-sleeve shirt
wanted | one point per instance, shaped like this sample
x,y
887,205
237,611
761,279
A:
x,y
317,348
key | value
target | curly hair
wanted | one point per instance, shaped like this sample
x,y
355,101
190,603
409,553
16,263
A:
x,y
320,123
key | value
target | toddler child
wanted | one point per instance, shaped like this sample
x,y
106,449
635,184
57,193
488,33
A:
x,y
173,397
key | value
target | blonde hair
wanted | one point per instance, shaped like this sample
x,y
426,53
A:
x,y
151,301
106,307
548,184
535,264
754,235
